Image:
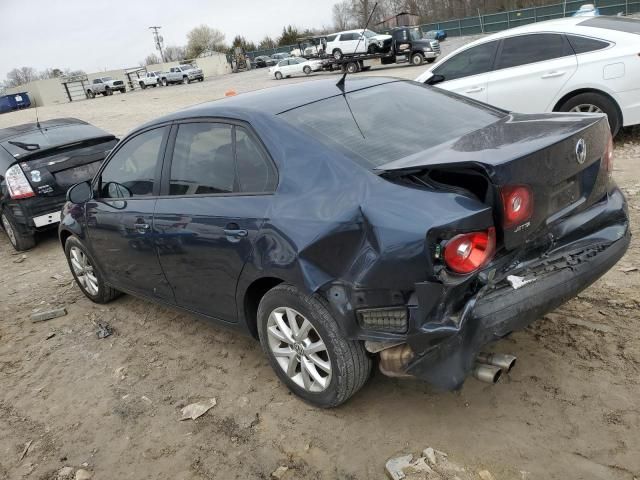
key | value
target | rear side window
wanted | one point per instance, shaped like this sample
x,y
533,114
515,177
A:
x,y
131,172
585,44
525,49
331,38
254,170
473,61
388,122
202,160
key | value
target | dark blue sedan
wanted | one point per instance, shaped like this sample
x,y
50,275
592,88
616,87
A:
x,y
338,225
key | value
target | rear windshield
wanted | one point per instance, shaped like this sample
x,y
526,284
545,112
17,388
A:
x,y
620,24
381,124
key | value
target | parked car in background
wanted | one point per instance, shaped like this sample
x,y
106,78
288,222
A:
x,y
356,41
326,249
262,61
105,86
182,74
587,10
38,163
14,101
568,65
151,79
280,56
439,35
294,66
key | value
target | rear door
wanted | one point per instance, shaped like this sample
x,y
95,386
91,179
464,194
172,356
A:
x,y
467,73
530,71
120,216
217,189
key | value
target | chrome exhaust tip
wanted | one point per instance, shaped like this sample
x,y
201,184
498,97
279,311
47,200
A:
x,y
502,360
486,373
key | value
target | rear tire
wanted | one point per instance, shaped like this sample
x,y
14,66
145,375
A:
x,y
108,91
347,362
143,85
337,54
595,103
88,277
20,241
91,94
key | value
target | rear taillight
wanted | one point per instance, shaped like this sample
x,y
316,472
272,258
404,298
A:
x,y
17,183
607,158
467,252
517,204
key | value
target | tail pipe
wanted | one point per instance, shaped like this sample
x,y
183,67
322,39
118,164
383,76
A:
x,y
501,360
486,373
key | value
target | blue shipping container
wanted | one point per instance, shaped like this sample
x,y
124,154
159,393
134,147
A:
x,y
14,102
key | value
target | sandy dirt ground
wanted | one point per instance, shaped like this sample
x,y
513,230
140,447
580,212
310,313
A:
x,y
112,406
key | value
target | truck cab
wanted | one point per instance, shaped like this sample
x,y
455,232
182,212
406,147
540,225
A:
x,y
411,45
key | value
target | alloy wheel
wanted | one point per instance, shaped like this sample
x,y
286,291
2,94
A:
x,y
586,108
9,230
299,349
83,270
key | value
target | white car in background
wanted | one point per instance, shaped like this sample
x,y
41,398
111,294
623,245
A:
x,y
356,41
293,66
569,65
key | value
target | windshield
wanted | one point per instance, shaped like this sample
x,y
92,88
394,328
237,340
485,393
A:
x,y
388,122
369,33
107,79
415,34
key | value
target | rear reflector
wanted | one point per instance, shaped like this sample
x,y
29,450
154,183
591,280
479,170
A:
x,y
387,319
469,252
17,183
517,204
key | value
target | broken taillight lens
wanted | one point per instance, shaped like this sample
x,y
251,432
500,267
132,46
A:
x,y
607,158
517,202
17,183
468,252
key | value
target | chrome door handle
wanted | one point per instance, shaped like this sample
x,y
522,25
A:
x,y
474,90
553,74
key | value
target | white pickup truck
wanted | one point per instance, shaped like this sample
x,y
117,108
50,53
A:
x,y
182,74
105,86
151,79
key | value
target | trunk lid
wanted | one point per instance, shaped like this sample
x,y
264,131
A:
x,y
540,151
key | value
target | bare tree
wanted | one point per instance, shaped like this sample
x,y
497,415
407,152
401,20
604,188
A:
x,y
174,53
267,42
204,39
20,76
151,59
342,15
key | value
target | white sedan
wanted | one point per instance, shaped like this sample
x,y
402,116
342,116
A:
x,y
567,65
294,65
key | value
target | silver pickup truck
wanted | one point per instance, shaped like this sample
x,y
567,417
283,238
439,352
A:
x,y
182,74
105,86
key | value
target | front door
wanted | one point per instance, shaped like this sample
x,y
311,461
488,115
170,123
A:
x,y
120,215
218,191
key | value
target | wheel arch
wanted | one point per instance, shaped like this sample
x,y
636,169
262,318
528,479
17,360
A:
x,y
252,296
597,91
64,236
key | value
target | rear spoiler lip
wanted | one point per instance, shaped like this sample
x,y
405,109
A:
x,y
489,156
40,153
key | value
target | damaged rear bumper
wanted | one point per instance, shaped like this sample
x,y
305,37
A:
x,y
586,247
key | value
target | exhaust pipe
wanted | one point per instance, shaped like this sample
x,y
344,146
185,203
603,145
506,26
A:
x,y
501,360
486,373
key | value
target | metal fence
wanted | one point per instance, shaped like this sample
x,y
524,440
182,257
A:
x,y
495,22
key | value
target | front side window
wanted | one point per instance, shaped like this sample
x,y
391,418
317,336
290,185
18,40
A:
x,y
131,172
97,80
525,49
283,63
473,61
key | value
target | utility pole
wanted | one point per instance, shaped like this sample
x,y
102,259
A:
x,y
159,41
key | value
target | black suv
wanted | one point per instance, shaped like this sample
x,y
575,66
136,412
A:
x,y
38,163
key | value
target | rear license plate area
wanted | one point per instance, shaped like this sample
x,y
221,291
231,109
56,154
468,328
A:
x,y
565,193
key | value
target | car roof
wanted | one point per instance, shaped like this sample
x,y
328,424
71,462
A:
x,y
274,100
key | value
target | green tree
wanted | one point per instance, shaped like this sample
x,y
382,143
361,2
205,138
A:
x,y
289,36
267,42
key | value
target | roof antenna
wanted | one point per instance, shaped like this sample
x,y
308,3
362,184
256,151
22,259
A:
x,y
340,83
35,105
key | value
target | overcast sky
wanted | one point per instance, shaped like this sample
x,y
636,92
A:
x,y
95,35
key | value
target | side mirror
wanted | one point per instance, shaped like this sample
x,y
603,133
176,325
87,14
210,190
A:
x,y
435,79
79,193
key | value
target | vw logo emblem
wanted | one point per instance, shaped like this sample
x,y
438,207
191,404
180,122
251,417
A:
x,y
581,151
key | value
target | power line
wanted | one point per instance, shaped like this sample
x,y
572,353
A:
x,y
158,40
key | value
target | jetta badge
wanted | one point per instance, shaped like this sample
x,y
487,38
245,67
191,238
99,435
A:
x,y
581,151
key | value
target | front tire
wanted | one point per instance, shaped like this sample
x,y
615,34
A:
x,y
337,54
164,82
143,85
19,240
307,70
595,103
185,80
278,76
86,275
307,350
417,59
